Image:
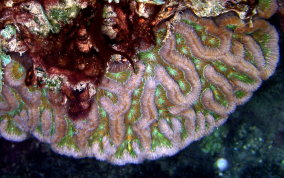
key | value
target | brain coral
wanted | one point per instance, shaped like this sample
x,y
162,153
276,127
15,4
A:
x,y
184,86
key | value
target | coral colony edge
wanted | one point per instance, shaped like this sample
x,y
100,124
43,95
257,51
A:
x,y
125,81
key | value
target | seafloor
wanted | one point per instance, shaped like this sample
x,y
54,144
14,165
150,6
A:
x,y
252,141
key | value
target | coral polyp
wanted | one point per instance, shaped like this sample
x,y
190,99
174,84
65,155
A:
x,y
127,87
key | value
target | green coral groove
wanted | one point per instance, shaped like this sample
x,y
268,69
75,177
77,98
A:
x,y
207,39
131,117
68,140
12,128
44,105
119,76
159,139
102,130
263,39
262,4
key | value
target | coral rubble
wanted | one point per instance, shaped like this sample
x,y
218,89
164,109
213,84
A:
x,y
128,81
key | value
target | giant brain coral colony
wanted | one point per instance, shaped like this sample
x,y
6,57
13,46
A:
x,y
129,80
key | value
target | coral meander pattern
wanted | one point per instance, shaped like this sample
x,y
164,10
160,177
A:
x,y
184,87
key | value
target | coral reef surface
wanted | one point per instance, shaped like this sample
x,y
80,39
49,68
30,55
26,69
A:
x,y
127,81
